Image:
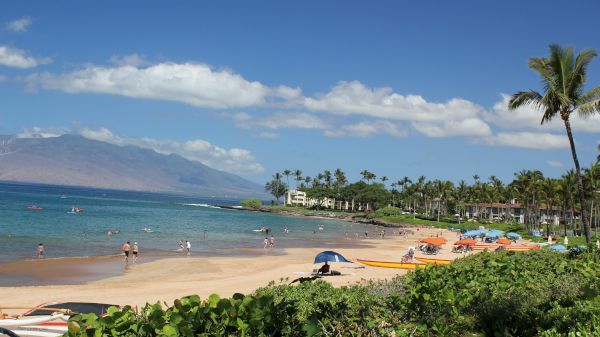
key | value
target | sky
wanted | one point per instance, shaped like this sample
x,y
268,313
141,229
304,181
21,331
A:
x,y
396,87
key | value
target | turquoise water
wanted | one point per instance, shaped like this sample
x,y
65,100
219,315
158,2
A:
x,y
211,231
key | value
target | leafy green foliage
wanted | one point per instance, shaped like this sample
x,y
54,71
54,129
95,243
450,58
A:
x,y
385,211
539,293
251,203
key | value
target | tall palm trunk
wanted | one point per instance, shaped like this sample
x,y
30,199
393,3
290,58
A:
x,y
584,222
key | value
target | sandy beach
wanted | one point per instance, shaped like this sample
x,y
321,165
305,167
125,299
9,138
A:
x,y
170,278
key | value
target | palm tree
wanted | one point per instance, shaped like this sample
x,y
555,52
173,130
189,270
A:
x,y
394,191
298,175
307,180
287,174
276,187
384,179
340,179
563,77
592,174
368,176
549,189
327,177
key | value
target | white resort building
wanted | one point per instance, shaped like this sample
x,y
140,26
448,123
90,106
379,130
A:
x,y
515,211
299,198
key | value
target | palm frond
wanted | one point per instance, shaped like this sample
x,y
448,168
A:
x,y
541,66
566,67
589,108
589,103
591,95
525,98
555,62
578,76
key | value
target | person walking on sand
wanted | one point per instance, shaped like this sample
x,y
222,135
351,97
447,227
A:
x,y
188,246
126,248
135,251
40,250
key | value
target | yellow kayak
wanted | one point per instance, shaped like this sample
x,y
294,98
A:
x,y
433,261
390,264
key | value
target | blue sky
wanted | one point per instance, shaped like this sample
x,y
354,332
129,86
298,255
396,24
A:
x,y
399,88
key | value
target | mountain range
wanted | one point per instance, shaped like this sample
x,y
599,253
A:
x,y
77,161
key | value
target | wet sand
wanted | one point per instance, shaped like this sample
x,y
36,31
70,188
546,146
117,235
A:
x,y
166,279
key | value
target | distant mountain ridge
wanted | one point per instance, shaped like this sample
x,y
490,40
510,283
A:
x,y
77,161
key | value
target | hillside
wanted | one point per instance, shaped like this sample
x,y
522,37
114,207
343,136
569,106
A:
x,y
78,161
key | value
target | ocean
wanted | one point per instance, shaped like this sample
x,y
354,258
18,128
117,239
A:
x,y
211,230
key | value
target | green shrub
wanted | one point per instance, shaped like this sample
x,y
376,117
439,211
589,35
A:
x,y
385,211
539,293
252,203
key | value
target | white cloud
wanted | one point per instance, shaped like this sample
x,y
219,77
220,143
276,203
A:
x,y
528,140
368,128
465,127
278,120
17,58
232,160
192,83
20,25
37,132
354,98
528,117
553,163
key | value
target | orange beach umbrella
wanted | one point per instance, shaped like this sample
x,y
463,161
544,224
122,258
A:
x,y
504,241
466,242
434,241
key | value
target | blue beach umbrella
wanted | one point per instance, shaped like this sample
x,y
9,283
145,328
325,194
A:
x,y
494,233
473,233
513,235
559,248
330,256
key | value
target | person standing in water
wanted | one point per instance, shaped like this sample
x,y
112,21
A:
x,y
271,241
266,242
126,248
40,250
135,251
188,246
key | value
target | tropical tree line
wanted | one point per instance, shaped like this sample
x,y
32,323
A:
x,y
436,199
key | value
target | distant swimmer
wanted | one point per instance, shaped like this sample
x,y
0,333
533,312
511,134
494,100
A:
x,y
148,230
285,230
109,233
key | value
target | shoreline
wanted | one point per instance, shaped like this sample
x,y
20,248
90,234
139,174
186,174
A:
x,y
166,279
357,219
85,269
